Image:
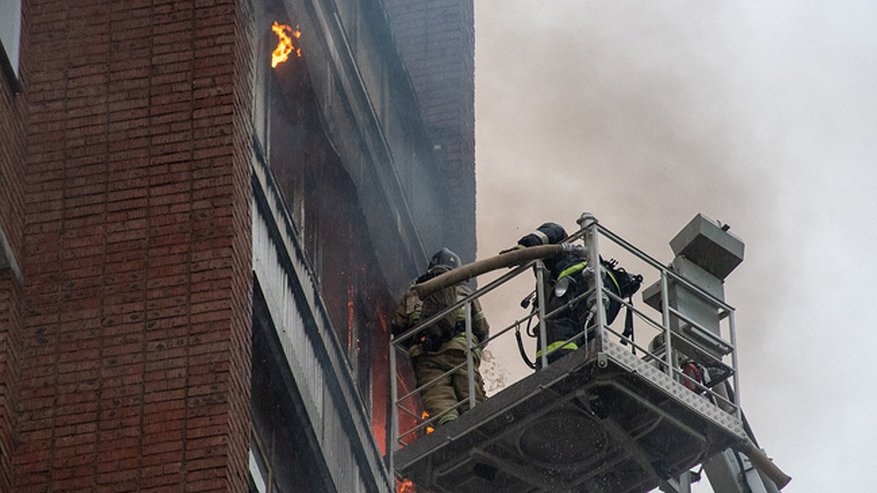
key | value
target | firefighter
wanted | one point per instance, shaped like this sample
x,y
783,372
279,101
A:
x,y
437,349
562,327
567,280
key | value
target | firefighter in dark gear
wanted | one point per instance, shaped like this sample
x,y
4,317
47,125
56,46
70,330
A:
x,y
567,279
437,349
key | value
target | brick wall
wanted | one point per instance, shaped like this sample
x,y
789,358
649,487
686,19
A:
x,y
12,156
436,39
136,345
10,330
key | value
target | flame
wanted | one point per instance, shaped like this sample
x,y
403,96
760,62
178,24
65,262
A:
x,y
285,43
405,486
429,429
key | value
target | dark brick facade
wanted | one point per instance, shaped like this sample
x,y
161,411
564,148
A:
x,y
436,40
135,331
12,157
125,198
10,330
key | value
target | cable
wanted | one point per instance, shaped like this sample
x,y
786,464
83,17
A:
x,y
524,357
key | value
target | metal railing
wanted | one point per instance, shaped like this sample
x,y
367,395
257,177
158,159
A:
x,y
660,352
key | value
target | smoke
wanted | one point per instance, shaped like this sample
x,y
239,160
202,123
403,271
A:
x,y
623,110
759,115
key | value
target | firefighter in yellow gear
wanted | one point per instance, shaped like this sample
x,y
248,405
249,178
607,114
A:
x,y
440,347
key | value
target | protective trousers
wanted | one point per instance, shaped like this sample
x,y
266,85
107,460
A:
x,y
446,390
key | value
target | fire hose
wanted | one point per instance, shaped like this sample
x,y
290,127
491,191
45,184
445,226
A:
x,y
503,260
763,464
750,449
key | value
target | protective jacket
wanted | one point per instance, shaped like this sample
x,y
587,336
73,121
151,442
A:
x,y
438,352
565,329
449,332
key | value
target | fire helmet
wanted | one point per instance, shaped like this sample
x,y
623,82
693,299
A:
x,y
446,258
546,234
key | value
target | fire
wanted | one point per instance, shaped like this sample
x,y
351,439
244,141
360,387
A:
x,y
405,486
285,43
429,429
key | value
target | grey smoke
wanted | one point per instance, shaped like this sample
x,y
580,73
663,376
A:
x,y
762,115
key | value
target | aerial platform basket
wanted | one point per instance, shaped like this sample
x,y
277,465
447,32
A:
x,y
613,416
603,421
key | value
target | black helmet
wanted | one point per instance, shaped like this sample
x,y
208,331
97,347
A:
x,y
547,234
445,257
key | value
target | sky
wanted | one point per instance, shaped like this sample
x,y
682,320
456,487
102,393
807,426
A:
x,y
762,115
